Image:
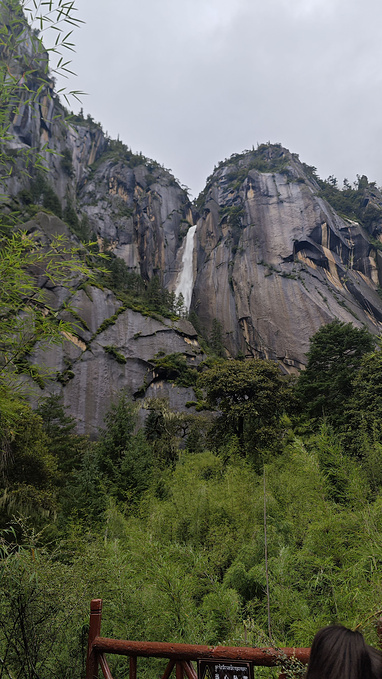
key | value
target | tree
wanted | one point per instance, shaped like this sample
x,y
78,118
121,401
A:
x,y
124,456
43,604
179,306
84,498
250,394
364,409
216,338
64,443
334,357
28,470
169,431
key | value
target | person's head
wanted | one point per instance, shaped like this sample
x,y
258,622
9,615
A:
x,y
340,653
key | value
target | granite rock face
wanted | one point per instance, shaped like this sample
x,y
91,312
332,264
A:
x,y
135,210
132,205
112,348
140,212
274,261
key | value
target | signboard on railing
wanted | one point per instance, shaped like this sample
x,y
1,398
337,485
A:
x,y
224,669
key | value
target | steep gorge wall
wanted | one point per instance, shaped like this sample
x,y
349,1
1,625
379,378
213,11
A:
x,y
112,347
136,210
274,261
129,202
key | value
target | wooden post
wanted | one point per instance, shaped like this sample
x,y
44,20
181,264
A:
x,y
189,670
133,667
168,670
94,631
179,670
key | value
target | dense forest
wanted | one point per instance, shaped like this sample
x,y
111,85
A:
x,y
163,517
165,520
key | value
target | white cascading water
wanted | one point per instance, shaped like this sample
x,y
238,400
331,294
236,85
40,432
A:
x,y
185,282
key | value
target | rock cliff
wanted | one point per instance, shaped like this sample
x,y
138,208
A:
x,y
112,347
272,259
95,188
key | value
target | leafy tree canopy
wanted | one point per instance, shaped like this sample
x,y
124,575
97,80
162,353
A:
x,y
250,394
334,357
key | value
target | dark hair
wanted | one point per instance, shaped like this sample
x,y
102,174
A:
x,y
376,661
340,653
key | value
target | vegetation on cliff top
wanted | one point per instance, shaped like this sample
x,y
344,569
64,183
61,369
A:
x,y
360,201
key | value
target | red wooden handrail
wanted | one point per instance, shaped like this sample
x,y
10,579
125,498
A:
x,y
155,649
179,655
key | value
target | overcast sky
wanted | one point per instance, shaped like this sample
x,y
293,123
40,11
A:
x,y
188,82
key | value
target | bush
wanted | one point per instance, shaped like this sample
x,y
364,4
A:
x,y
174,368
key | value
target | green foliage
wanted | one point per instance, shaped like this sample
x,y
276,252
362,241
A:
x,y
124,458
174,368
168,432
120,278
345,481
266,158
42,194
80,227
362,430
216,339
64,444
352,201
346,202
182,549
234,215
84,498
109,321
334,358
148,298
157,295
71,218
25,315
42,612
194,319
119,151
366,404
147,517
24,73
28,468
51,201
251,396
114,353
67,163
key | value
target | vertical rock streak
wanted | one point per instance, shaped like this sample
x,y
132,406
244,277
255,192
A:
x,y
185,281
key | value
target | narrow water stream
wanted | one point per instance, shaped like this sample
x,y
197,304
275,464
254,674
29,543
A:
x,y
185,282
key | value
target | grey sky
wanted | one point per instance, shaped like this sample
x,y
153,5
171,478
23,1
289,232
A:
x,y
188,82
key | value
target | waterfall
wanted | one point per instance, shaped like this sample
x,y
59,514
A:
x,y
185,281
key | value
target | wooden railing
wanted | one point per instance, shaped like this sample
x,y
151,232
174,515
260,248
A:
x,y
179,656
